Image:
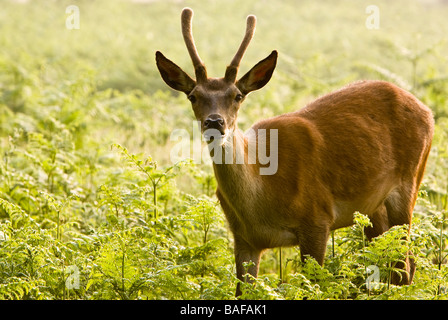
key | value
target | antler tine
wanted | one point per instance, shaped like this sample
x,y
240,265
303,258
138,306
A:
x,y
199,67
250,30
232,69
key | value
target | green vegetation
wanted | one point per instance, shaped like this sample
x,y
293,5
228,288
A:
x,y
91,206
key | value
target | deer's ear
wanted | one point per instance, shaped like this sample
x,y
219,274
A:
x,y
173,75
259,75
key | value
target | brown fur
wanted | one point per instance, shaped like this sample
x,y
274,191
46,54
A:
x,y
362,148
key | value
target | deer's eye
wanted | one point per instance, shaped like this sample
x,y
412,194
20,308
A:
x,y
239,97
192,98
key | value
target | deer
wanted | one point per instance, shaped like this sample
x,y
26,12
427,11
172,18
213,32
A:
x,y
361,148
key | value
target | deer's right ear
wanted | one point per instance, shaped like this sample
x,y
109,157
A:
x,y
173,75
259,75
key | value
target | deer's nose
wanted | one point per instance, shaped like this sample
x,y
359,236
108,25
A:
x,y
214,121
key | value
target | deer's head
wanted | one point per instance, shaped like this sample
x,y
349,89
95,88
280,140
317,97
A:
x,y
216,101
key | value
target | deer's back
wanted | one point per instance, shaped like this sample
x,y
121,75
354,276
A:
x,y
351,145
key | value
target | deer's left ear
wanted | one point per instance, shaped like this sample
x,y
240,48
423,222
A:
x,y
259,75
173,75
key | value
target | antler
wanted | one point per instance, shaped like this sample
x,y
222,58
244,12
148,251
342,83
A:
x,y
232,69
199,67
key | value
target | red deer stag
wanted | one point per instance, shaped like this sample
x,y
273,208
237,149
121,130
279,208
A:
x,y
362,148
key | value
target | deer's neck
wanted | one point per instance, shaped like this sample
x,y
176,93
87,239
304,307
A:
x,y
238,180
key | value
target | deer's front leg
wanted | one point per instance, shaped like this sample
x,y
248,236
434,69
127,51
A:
x,y
245,253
